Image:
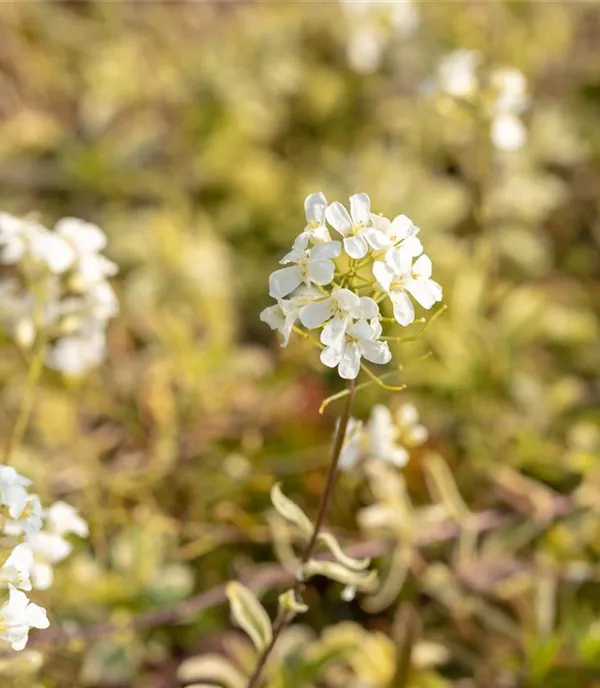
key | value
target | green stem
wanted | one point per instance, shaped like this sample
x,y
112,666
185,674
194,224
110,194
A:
x,y
283,620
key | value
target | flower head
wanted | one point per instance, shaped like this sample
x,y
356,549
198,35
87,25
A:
x,y
18,616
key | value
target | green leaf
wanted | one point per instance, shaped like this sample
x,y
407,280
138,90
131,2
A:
x,y
249,614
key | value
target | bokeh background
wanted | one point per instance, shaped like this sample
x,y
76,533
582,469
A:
x,y
191,133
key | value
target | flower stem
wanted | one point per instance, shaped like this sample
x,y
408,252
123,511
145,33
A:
x,y
283,619
36,365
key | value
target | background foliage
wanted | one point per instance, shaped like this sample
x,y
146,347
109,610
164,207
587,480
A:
x,y
191,133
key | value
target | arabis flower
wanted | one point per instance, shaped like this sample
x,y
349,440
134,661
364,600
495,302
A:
x,y
310,266
63,519
17,616
316,231
338,311
360,340
12,490
356,226
17,567
398,277
401,232
284,314
29,521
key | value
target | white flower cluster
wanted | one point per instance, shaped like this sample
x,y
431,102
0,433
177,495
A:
x,y
29,565
337,287
459,76
55,282
386,436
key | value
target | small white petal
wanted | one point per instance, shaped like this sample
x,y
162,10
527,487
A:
x,y
400,228
321,271
367,309
404,311
331,356
384,274
360,209
273,317
411,246
355,246
283,282
400,261
338,218
326,251
361,330
316,313
314,208
350,362
347,300
508,132
376,352
425,291
422,266
300,243
334,331
376,239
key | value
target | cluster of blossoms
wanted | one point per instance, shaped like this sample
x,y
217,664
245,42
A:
x,y
503,95
385,436
34,549
54,283
338,287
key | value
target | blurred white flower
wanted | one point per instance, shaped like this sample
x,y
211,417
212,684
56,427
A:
x,y
17,567
29,520
64,519
13,492
457,73
18,616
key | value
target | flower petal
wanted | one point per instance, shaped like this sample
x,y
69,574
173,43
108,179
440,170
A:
x,y
314,208
316,313
321,271
400,261
425,291
400,228
404,311
273,316
355,246
334,331
367,309
361,330
350,363
411,246
360,209
338,218
376,352
347,300
422,266
376,239
331,356
384,274
301,242
326,251
283,282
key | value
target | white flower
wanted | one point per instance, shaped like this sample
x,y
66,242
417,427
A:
x,y
12,490
382,437
316,231
511,87
17,567
311,266
398,277
401,232
64,519
356,227
508,132
29,520
86,240
48,549
457,73
76,354
284,314
353,446
410,430
359,340
338,310
17,616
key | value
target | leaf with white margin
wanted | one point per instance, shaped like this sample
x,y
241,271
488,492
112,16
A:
x,y
362,580
290,510
340,556
249,614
